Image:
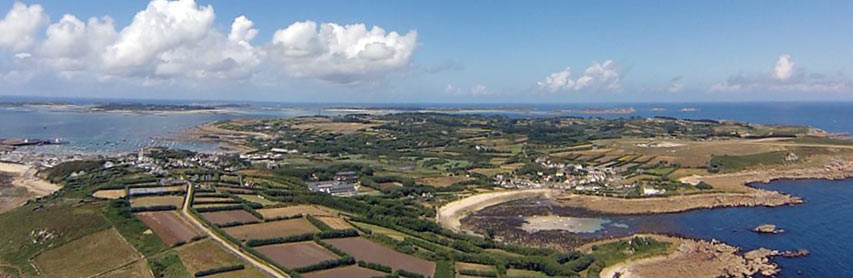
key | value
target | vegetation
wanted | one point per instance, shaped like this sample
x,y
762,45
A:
x,y
167,265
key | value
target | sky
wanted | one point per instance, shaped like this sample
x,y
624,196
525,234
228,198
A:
x,y
429,51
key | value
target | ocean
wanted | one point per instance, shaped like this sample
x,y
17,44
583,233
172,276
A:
x,y
822,225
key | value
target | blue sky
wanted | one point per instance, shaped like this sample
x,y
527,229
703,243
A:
x,y
446,51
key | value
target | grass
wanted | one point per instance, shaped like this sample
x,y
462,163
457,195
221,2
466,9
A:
x,y
134,231
615,252
444,269
87,256
730,163
168,265
521,273
822,141
45,227
381,230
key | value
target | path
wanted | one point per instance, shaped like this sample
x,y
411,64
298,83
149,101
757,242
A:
x,y
257,262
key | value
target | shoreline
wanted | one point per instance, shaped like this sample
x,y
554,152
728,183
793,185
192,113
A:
x,y
694,258
24,176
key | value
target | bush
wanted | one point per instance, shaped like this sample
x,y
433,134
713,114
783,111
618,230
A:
x,y
320,225
479,273
338,233
153,208
409,274
704,186
375,266
326,264
277,240
218,270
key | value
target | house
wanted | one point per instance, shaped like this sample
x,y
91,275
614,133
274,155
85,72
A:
x,y
334,188
346,176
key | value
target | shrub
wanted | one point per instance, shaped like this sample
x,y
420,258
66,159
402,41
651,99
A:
x,y
218,270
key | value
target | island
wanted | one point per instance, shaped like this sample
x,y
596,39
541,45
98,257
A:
x,y
414,194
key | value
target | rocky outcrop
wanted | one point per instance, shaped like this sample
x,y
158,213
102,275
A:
x,y
767,229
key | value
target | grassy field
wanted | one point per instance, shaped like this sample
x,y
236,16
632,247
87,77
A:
x,y
615,252
728,163
168,265
48,226
381,230
258,199
136,269
132,229
176,201
93,254
520,273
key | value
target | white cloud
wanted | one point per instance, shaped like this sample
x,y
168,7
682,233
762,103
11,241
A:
x,y
784,67
598,77
341,54
242,31
161,27
19,27
176,42
784,78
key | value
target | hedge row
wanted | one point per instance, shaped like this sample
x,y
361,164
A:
x,y
235,223
283,217
220,208
153,208
319,224
277,240
330,247
208,202
326,264
338,233
218,270
479,273
375,266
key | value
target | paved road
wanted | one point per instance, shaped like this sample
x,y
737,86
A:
x,y
258,263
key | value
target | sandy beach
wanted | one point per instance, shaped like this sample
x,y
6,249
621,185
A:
x,y
25,185
449,215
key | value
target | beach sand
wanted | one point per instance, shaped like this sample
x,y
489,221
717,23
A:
x,y
24,185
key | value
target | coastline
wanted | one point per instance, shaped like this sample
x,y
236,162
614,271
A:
x,y
24,176
694,258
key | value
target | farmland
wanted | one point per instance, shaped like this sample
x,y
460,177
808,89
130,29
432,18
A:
x,y
230,216
175,201
348,271
295,255
281,228
366,250
94,254
294,210
168,226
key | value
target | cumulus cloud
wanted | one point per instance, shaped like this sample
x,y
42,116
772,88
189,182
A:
x,y
176,41
784,68
343,54
18,29
785,77
598,77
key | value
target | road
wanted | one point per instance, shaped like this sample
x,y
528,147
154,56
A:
x,y
256,262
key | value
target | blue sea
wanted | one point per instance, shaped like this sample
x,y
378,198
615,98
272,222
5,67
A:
x,y
822,225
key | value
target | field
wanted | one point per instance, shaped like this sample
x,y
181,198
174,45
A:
x,y
272,229
382,230
93,254
469,266
229,216
168,226
258,199
520,273
334,127
294,210
366,250
442,181
110,194
136,269
206,254
170,200
687,153
294,255
336,223
348,272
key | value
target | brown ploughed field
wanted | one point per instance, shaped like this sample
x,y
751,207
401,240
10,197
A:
x,y
294,255
229,216
294,210
282,228
348,272
366,250
168,226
